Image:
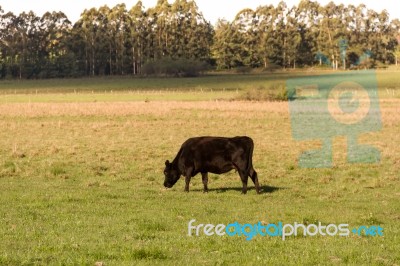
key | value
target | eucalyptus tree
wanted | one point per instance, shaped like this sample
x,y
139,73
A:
x,y
386,41
244,25
119,28
87,28
331,31
286,36
197,31
8,44
396,34
294,36
357,36
138,31
162,17
53,50
26,42
308,19
222,49
265,17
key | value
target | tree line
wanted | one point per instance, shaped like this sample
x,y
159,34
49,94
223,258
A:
x,y
307,34
137,41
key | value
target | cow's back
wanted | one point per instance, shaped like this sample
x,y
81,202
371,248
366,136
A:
x,y
200,152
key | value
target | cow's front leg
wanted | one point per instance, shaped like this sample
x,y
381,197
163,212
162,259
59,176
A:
x,y
188,176
187,180
204,177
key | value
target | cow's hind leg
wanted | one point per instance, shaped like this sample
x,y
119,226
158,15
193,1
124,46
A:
x,y
254,178
244,177
204,177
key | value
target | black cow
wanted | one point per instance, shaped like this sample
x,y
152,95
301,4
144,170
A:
x,y
216,155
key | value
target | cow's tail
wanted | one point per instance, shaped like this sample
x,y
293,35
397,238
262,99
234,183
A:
x,y
250,168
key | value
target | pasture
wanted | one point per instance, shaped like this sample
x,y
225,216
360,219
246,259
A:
x,y
81,175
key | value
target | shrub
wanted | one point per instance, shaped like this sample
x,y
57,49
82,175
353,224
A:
x,y
243,70
270,67
175,68
276,92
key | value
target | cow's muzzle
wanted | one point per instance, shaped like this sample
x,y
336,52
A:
x,y
167,185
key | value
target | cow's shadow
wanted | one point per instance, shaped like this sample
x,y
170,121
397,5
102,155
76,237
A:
x,y
264,189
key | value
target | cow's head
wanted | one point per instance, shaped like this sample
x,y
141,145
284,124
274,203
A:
x,y
171,175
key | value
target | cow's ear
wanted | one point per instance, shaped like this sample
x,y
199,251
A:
x,y
166,163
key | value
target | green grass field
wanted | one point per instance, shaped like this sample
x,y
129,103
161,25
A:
x,y
81,176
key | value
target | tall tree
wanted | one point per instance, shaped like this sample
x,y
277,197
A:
x,y
223,49
138,30
118,24
265,17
